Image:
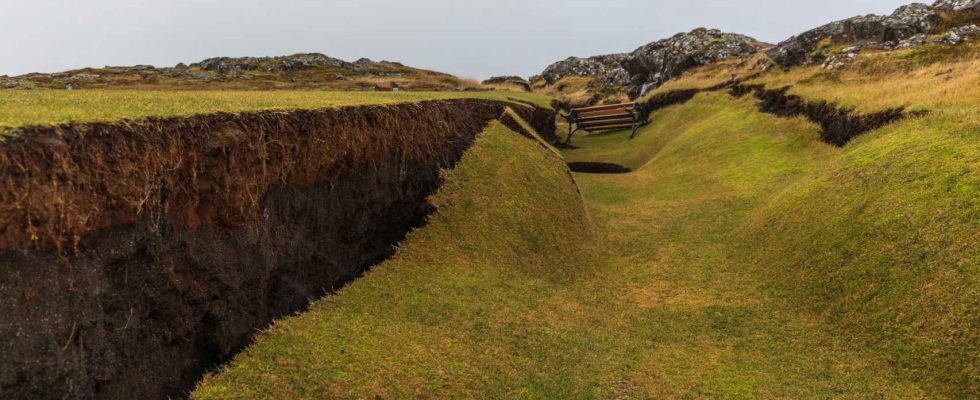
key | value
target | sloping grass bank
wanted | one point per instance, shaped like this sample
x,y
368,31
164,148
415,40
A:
x,y
866,256
743,258
470,306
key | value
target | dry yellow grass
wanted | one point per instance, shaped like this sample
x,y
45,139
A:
x,y
41,107
575,90
880,82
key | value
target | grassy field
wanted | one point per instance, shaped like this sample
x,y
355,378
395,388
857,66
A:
x,y
43,107
743,258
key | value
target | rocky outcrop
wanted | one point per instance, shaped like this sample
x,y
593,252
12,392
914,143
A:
x,y
271,64
651,65
958,5
811,46
908,27
655,63
959,34
606,70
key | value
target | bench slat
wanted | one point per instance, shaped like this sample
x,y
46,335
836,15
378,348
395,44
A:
x,y
603,113
603,108
606,121
606,127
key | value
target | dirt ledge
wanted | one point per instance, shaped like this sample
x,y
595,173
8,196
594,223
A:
x,y
135,255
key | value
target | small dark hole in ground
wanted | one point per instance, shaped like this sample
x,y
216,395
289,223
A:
x,y
598,168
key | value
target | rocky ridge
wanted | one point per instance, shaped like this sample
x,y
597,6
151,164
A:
x,y
297,71
653,64
909,26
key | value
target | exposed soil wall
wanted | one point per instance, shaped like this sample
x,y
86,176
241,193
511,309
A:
x,y
838,125
666,99
541,119
133,256
598,168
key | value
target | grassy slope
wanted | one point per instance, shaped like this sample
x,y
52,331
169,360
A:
x,y
720,273
39,107
880,240
475,302
706,320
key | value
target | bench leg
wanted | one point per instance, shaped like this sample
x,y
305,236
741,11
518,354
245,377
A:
x,y
636,127
570,133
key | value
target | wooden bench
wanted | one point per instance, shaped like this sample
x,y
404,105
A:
x,y
606,118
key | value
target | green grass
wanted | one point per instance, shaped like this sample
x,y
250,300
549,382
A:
x,y
742,259
476,294
44,107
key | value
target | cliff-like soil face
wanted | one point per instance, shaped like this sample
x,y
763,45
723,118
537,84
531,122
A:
x,y
134,256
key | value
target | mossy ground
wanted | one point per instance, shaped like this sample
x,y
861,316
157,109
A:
x,y
744,258
45,107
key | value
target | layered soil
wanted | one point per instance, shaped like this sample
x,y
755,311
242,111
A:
x,y
135,255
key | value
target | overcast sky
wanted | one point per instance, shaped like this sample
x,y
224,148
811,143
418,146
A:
x,y
469,39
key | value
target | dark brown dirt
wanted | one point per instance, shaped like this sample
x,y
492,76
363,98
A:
x,y
839,125
137,255
666,99
598,168
542,119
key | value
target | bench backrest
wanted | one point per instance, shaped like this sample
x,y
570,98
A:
x,y
605,117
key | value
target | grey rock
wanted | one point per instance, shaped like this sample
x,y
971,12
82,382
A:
x,y
959,34
957,5
873,30
606,69
839,60
653,64
912,42
271,64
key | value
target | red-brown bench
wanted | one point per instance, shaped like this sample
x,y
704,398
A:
x,y
606,118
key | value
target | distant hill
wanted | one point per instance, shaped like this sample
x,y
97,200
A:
x,y
297,71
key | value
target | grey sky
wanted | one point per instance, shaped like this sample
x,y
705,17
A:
x,y
469,39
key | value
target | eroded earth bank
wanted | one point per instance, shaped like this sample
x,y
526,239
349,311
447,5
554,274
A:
x,y
136,255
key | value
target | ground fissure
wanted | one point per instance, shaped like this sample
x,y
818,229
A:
x,y
137,255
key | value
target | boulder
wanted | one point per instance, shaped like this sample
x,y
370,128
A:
x,y
605,69
811,46
653,64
